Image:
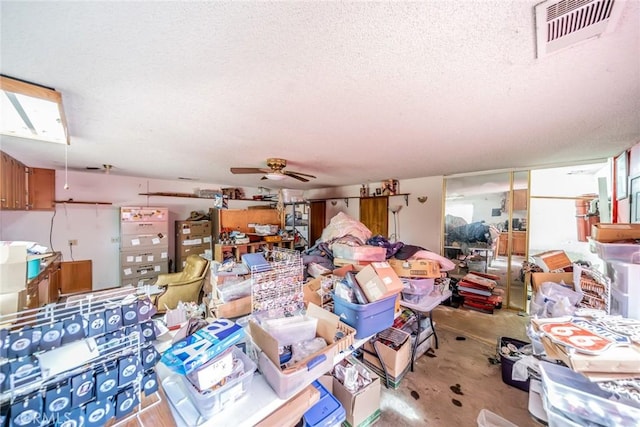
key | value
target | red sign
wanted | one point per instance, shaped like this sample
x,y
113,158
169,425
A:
x,y
574,336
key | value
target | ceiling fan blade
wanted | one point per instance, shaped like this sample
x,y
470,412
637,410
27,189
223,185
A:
x,y
300,173
294,176
249,170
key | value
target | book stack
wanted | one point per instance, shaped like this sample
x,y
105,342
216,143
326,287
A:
x,y
479,292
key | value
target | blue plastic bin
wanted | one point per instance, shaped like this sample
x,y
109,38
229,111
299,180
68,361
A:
x,y
368,319
327,412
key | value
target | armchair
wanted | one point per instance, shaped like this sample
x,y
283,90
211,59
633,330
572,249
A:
x,y
183,286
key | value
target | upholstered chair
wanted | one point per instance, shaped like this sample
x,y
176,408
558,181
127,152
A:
x,y
184,286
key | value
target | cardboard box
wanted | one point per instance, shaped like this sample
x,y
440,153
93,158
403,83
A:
x,y
326,328
607,233
341,262
312,290
292,411
415,268
553,261
229,310
396,361
378,281
362,407
188,229
537,279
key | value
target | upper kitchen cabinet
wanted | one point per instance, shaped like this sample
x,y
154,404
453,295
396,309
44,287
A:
x,y
24,188
14,190
41,189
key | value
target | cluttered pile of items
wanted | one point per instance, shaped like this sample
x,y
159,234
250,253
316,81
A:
x,y
582,364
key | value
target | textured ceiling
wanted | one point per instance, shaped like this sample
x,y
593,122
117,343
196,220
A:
x,y
350,92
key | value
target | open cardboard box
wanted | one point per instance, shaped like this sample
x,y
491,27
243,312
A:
x,y
395,361
537,279
362,408
326,328
312,287
553,261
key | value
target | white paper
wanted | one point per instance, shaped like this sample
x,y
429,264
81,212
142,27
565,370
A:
x,y
155,241
127,271
207,239
143,272
129,258
164,255
135,242
150,258
138,259
186,231
156,268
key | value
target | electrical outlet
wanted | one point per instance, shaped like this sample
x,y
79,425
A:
x,y
115,240
73,242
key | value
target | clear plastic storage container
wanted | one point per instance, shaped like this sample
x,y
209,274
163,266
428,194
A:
x,y
487,418
210,402
288,383
571,392
627,252
291,330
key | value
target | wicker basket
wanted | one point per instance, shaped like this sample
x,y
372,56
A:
x,y
347,339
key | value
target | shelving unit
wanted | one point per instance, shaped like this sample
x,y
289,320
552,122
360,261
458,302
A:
x,y
298,227
81,202
346,199
194,196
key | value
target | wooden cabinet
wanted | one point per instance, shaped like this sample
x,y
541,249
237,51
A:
x,y
24,188
42,189
520,199
14,189
76,276
42,289
374,214
519,244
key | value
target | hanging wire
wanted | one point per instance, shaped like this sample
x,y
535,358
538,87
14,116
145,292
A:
x,y
51,230
66,167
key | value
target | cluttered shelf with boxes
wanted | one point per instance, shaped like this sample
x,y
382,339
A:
x,y
582,362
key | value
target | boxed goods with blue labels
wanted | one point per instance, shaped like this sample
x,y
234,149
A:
x,y
197,349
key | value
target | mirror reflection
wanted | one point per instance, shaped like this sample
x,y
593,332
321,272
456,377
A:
x,y
486,226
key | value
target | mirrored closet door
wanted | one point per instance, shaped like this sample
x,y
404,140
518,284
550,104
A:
x,y
486,229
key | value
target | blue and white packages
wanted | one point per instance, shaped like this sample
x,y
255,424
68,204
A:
x,y
197,349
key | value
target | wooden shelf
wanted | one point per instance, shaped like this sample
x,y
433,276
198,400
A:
x,y
346,199
81,202
193,196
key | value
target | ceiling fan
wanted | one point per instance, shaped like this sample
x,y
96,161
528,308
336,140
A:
x,y
275,171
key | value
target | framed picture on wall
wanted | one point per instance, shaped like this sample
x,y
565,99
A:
x,y
621,176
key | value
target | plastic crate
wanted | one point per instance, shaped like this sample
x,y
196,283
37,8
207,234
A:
x,y
288,383
506,363
211,402
368,319
487,418
327,412
570,392
627,252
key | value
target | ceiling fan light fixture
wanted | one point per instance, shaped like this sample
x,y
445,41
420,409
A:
x,y
275,176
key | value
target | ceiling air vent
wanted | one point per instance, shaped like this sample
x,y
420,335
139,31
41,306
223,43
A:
x,y
560,24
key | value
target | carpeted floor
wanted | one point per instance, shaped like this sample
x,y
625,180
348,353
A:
x,y
452,384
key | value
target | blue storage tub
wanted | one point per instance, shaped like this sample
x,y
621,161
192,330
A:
x,y
367,319
327,412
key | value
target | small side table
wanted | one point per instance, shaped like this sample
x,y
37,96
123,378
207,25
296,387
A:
x,y
423,310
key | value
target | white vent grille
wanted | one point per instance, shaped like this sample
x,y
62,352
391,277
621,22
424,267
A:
x,y
561,24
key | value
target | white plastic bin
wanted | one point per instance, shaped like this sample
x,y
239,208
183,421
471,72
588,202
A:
x,y
487,418
211,402
622,274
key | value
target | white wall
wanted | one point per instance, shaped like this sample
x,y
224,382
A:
x,y
97,227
